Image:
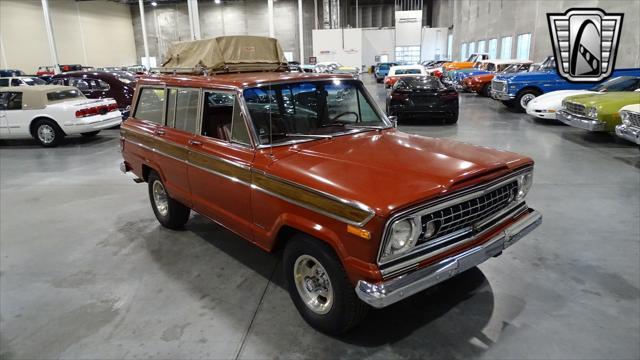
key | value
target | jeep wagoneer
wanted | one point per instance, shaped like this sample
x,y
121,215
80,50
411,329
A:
x,y
366,215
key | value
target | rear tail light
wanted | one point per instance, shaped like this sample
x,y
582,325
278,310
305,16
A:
x,y
95,110
449,95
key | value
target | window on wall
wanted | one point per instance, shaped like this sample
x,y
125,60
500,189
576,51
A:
x,y
463,51
408,54
481,46
505,47
524,44
493,48
450,46
472,48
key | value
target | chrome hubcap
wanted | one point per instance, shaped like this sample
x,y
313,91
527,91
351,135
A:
x,y
313,284
524,100
160,198
46,134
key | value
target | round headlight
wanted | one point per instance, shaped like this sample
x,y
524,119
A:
x,y
592,112
524,185
402,237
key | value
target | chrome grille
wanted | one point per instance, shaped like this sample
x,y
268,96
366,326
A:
x,y
577,109
634,118
467,213
499,86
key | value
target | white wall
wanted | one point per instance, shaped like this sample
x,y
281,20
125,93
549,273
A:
x,y
341,45
377,42
408,28
95,33
434,43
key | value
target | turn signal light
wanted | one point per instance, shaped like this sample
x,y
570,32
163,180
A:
x,y
358,232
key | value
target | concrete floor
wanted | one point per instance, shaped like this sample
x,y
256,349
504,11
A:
x,y
87,272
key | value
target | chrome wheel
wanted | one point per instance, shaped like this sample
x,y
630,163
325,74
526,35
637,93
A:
x,y
524,100
160,198
313,284
46,134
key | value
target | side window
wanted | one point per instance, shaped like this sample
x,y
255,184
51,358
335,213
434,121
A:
x,y
15,82
4,99
57,82
98,85
4,82
81,84
15,101
239,132
217,114
150,105
186,113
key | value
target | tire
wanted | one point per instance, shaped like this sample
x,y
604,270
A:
x,y
345,310
486,90
523,98
90,133
170,213
47,133
509,103
451,119
379,81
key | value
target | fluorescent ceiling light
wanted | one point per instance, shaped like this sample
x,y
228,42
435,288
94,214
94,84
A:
x,y
153,3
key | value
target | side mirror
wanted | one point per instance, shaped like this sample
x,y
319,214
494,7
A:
x,y
394,121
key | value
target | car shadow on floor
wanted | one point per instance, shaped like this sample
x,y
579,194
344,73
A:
x,y
467,298
67,142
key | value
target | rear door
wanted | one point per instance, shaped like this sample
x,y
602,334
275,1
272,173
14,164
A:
x,y
4,125
220,160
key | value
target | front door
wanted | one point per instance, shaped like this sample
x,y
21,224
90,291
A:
x,y
220,160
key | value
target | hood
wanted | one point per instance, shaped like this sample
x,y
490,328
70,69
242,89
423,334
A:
x,y
610,102
481,77
525,76
390,170
553,100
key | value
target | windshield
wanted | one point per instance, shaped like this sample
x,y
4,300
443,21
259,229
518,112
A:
x,y
513,68
407,71
548,64
313,109
34,81
384,67
125,77
621,83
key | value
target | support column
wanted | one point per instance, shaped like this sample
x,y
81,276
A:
x,y
300,31
50,38
194,19
272,32
144,33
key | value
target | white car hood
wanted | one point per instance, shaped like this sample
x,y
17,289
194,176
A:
x,y
553,100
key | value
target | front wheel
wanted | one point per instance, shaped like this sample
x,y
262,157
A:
x,y
486,90
524,97
319,287
169,212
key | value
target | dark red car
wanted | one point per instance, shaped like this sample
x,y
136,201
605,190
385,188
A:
x,y
118,85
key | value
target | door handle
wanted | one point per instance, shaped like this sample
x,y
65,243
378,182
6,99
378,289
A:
x,y
195,142
160,132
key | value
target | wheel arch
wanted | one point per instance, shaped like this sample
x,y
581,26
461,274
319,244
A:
x,y
528,88
37,118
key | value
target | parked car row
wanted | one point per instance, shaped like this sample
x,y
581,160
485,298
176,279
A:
x,y
537,89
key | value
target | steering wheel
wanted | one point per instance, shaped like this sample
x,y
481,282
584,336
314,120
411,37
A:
x,y
343,114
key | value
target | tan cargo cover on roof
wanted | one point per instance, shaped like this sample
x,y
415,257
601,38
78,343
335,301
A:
x,y
227,53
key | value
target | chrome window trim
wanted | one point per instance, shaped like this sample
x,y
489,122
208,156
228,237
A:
x,y
452,199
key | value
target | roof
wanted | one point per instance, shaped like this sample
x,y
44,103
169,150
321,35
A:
x,y
236,80
37,88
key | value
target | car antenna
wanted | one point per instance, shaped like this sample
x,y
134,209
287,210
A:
x,y
270,125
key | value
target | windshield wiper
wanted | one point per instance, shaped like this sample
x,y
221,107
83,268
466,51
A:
x,y
353,126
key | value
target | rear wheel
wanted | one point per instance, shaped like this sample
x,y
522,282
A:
x,y
90,133
47,133
524,97
169,212
319,287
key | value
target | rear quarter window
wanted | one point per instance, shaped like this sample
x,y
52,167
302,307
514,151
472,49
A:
x,y
150,105
63,95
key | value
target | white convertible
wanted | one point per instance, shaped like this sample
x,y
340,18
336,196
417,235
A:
x,y
48,113
546,105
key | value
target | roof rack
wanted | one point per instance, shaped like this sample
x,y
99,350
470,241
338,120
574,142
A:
x,y
228,69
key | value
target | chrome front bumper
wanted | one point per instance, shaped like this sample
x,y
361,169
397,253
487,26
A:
x,y
500,95
388,292
581,122
628,133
